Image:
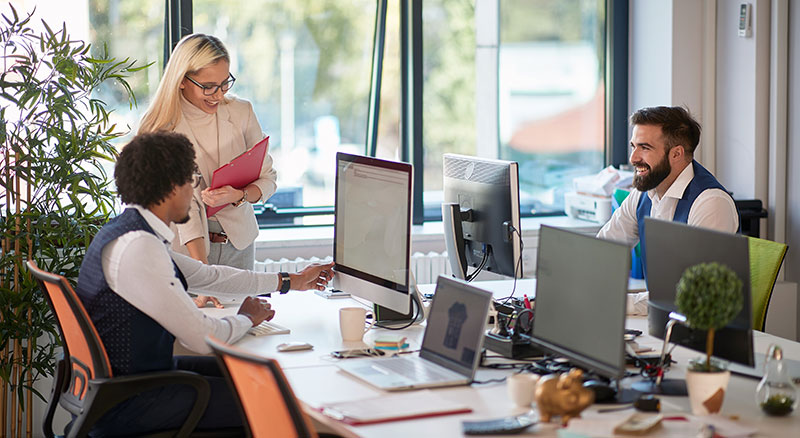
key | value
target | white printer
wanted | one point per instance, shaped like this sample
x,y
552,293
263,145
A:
x,y
587,207
591,198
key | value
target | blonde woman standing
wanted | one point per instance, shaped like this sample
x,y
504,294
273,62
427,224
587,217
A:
x,y
192,100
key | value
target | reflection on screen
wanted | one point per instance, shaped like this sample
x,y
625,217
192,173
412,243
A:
x,y
372,219
455,324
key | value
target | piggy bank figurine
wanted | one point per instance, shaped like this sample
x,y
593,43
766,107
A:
x,y
562,394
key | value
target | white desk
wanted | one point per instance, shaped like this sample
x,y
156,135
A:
x,y
316,379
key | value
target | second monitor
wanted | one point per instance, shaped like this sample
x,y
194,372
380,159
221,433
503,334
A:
x,y
480,214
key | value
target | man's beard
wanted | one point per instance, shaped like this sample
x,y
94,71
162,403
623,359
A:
x,y
184,220
653,177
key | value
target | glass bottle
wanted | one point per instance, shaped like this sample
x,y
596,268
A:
x,y
776,394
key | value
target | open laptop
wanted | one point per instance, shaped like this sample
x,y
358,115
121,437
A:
x,y
451,346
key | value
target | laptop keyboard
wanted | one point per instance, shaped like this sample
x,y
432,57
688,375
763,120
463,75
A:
x,y
415,370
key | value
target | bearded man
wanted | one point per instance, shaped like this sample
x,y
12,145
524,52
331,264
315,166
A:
x,y
677,187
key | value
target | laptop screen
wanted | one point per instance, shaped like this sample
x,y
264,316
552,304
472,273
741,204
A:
x,y
454,334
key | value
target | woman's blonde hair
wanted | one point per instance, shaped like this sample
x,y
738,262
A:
x,y
192,53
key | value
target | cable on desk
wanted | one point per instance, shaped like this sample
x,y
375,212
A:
x,y
484,382
410,323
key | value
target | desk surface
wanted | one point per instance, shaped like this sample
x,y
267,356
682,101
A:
x,y
316,379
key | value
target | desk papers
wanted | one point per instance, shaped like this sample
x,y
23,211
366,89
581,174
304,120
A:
x,y
394,407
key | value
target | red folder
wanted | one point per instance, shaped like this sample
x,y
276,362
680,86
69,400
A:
x,y
240,172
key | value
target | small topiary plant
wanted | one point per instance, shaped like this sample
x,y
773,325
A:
x,y
710,296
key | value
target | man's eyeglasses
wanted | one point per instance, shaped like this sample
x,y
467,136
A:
x,y
210,90
196,178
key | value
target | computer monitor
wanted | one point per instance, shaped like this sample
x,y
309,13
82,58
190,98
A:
x,y
372,230
581,294
480,214
671,248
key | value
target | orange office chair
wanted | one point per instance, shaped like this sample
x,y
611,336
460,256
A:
x,y
266,400
84,384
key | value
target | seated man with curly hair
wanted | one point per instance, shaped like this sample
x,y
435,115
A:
x,y
135,288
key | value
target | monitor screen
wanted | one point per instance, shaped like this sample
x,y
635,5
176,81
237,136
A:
x,y
581,289
671,248
456,324
480,214
372,229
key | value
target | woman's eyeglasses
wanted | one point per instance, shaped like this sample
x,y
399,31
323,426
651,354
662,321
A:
x,y
210,90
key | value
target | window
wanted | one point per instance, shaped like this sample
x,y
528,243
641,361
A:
x,y
305,66
448,114
552,95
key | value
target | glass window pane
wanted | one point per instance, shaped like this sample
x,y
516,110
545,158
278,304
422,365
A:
x,y
552,94
127,29
305,66
448,110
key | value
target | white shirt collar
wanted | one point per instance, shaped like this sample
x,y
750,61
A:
x,y
678,186
162,230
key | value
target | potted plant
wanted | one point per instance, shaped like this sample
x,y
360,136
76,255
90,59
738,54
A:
x,y
54,193
709,295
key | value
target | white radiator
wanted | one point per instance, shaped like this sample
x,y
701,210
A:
x,y
425,267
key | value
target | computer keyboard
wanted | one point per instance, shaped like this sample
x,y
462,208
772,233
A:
x,y
268,328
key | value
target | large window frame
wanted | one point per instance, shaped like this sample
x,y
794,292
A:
x,y
178,23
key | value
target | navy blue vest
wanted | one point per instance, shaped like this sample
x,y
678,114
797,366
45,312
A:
x,y
703,180
135,343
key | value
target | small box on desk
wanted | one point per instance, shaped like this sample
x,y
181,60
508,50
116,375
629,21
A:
x,y
516,348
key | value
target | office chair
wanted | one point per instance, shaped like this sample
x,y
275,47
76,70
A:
x,y
766,258
84,384
266,401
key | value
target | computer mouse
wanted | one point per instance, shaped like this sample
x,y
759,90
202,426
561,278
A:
x,y
294,346
603,392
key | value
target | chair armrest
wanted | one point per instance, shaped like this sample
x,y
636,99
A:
x,y
104,394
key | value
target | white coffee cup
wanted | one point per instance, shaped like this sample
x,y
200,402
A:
x,y
521,388
352,323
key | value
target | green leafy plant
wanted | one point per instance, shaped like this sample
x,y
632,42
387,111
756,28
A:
x,y
54,192
710,296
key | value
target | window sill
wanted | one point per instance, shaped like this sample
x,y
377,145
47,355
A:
x,y
305,242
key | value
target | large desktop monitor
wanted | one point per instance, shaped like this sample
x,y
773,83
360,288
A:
x,y
671,248
581,290
480,214
372,230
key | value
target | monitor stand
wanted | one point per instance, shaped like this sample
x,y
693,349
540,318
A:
x,y
664,387
622,396
659,385
388,317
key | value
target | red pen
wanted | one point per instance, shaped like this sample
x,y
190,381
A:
x,y
526,301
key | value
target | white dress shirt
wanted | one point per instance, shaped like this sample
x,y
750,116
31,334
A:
x,y
138,268
713,209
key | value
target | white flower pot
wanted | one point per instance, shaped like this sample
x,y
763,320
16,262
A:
x,y
706,390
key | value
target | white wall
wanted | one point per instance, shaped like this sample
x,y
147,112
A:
x,y
650,37
742,101
792,263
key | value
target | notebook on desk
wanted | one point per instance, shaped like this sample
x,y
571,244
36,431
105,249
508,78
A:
x,y
451,345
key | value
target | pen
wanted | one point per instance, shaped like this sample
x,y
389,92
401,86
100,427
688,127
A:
x,y
526,301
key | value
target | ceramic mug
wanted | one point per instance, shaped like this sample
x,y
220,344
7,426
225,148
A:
x,y
352,323
521,388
